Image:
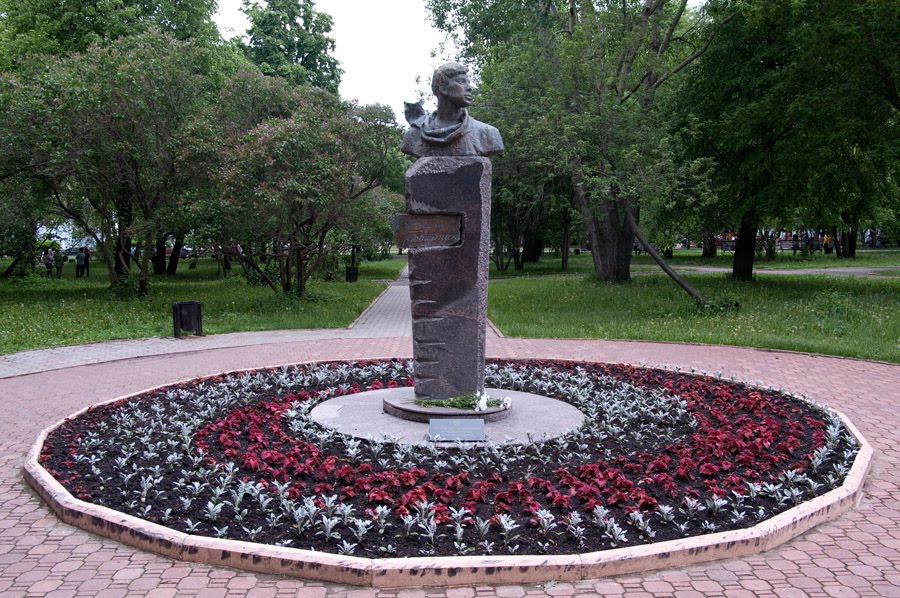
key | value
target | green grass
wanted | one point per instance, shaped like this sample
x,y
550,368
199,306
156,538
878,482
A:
x,y
40,312
581,264
855,317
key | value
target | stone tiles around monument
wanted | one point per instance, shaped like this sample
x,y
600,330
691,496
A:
x,y
856,555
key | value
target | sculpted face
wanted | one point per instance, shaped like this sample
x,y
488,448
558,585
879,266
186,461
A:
x,y
450,83
458,91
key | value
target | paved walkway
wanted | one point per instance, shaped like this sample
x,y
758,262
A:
x,y
864,271
857,555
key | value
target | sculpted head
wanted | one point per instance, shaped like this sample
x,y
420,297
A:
x,y
450,83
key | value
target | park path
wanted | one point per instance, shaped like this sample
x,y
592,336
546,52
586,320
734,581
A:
x,y
857,555
863,271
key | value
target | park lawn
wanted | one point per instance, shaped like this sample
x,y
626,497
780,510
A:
x,y
39,312
581,264
865,258
854,317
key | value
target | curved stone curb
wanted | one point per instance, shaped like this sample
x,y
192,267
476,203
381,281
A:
x,y
443,571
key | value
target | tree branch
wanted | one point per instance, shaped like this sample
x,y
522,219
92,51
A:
x,y
629,219
671,30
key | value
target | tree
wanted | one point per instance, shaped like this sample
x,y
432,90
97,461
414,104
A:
x,y
21,216
101,130
593,70
366,230
29,27
795,103
289,38
291,181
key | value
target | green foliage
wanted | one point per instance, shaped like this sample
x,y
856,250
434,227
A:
x,y
99,131
289,38
796,103
30,27
467,402
292,181
21,215
573,94
479,26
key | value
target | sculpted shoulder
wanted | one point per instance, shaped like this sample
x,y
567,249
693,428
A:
x,y
449,131
490,142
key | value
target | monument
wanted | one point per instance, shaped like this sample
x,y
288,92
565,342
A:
x,y
447,230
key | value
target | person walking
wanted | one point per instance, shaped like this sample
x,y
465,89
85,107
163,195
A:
x,y
59,260
79,263
48,261
87,262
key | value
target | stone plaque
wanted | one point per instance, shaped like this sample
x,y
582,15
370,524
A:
x,y
451,429
417,231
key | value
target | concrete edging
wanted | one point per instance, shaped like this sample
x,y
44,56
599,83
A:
x,y
443,571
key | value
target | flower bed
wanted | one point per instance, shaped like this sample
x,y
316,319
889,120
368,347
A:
x,y
661,455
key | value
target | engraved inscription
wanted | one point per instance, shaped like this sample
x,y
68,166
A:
x,y
416,231
452,429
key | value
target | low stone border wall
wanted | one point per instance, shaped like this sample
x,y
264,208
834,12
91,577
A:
x,y
445,571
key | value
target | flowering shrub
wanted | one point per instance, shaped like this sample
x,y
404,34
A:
x,y
660,455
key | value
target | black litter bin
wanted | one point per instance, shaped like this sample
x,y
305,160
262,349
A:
x,y
187,316
352,274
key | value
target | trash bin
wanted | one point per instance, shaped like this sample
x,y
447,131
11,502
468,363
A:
x,y
187,316
352,274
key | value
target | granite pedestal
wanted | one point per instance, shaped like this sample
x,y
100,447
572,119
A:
x,y
448,277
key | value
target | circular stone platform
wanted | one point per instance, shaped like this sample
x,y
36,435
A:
x,y
361,415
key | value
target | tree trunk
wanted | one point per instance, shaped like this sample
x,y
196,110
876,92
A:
x,y
566,240
744,251
648,247
616,242
248,263
144,280
123,256
123,238
532,248
499,256
518,257
301,279
848,235
591,224
172,268
709,244
836,242
286,271
159,254
11,268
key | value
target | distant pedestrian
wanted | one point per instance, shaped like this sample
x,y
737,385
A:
x,y
59,260
48,261
80,259
87,261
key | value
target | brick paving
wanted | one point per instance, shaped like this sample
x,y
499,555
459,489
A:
x,y
857,555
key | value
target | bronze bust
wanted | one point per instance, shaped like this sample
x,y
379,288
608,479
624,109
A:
x,y
449,131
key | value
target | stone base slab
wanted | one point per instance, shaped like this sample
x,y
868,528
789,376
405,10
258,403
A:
x,y
362,413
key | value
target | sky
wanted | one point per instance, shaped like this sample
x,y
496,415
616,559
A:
x,y
383,47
